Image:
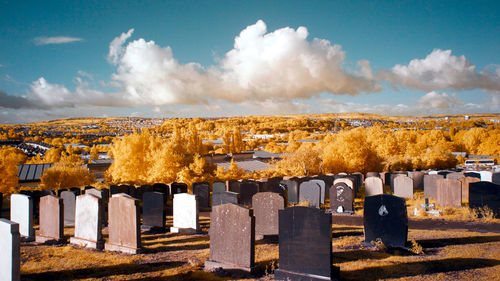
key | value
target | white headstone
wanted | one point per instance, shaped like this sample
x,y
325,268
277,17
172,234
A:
x,y
21,211
88,222
10,264
373,186
185,213
486,176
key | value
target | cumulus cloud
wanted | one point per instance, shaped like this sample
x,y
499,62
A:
x,y
14,101
437,100
442,70
55,40
115,47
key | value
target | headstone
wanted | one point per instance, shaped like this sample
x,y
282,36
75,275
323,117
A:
x,y
124,224
403,187
51,220
372,174
265,207
161,187
88,224
69,201
292,190
357,179
10,260
328,179
76,190
185,214
273,185
104,202
322,186
233,186
373,186
430,185
455,176
310,192
449,193
225,197
444,173
218,186
483,194
21,212
341,198
202,190
1,204
116,189
46,192
385,218
465,187
495,178
486,176
247,190
382,176
347,181
472,174
178,187
305,245
59,191
418,179
153,210
232,238
393,176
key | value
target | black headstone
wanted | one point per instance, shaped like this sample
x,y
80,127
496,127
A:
x,y
178,187
233,186
341,198
153,210
385,218
473,175
328,179
115,189
1,204
225,197
495,178
247,190
483,194
161,187
305,245
76,190
202,191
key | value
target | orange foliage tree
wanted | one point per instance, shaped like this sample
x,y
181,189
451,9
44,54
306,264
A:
x,y
9,159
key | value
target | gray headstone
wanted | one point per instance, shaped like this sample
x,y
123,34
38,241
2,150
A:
x,y
373,186
153,210
218,186
305,245
322,185
403,187
202,190
292,190
310,192
385,218
21,212
247,190
233,186
265,207
495,178
232,238
341,198
88,224
69,202
185,214
10,259
418,179
225,197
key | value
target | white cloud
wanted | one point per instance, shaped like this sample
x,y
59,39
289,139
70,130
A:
x,y
55,40
437,100
115,47
441,70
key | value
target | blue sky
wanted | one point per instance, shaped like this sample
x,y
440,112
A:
x,y
55,58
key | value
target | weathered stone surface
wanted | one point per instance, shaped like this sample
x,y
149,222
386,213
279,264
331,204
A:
x,y
218,186
483,194
69,202
385,218
430,187
153,210
202,190
373,186
88,224
247,190
341,198
465,187
418,179
124,224
232,238
51,220
265,207
21,212
310,192
455,176
225,197
403,187
449,193
10,259
305,245
185,214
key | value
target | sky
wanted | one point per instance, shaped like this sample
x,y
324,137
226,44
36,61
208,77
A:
x,y
63,59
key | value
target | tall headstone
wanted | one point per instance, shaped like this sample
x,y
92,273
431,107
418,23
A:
x,y
430,187
202,190
403,187
51,220
466,181
265,207
341,198
449,193
385,218
373,186
218,186
10,260
418,179
232,238
322,186
104,196
186,214
247,190
226,197
21,212
292,190
483,194
88,224
153,210
305,245
69,202
124,224
310,192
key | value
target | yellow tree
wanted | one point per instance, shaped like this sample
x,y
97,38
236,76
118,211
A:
x,y
9,159
63,175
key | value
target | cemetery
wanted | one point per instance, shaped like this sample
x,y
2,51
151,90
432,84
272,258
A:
x,y
328,227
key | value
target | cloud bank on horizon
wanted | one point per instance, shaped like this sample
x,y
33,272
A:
x,y
263,69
